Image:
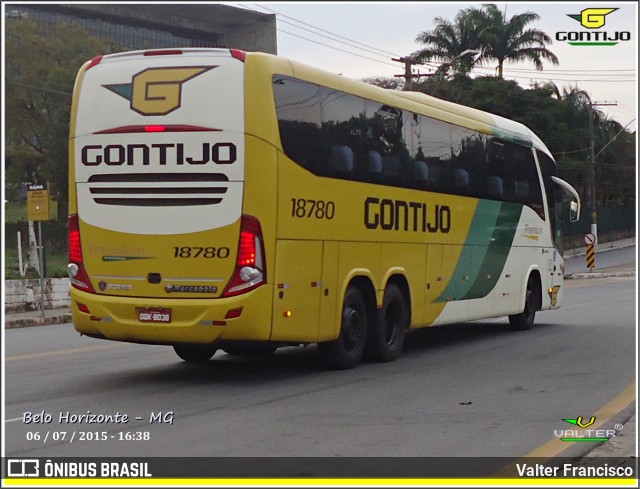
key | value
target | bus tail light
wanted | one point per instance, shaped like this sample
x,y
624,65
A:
x,y
238,54
77,274
251,270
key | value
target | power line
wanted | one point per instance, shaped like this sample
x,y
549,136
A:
x,y
325,36
31,87
570,71
333,47
385,53
333,39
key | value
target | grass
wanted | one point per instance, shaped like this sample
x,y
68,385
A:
x,y
56,265
55,261
17,211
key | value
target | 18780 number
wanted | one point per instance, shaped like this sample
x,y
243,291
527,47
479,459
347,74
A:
x,y
318,209
199,251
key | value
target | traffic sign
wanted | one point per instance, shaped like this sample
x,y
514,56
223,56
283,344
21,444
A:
x,y
38,203
589,239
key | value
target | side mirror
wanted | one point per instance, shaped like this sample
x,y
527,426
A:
x,y
574,211
574,208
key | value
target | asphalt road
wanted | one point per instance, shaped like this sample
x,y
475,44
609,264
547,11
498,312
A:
x,y
467,390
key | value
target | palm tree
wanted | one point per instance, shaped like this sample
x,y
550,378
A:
x,y
448,41
507,39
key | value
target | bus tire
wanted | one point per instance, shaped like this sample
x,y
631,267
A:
x,y
385,337
346,351
524,320
195,353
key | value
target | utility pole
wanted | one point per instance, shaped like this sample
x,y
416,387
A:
x,y
408,75
591,175
441,71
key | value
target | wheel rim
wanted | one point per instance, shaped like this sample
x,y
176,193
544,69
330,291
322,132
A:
x,y
528,306
351,328
392,322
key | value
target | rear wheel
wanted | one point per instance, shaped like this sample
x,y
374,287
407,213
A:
x,y
386,335
524,320
195,353
346,351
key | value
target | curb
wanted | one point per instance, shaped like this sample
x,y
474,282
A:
x,y
599,275
574,253
49,320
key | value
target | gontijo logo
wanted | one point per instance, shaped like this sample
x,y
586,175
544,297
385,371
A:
x,y
157,91
593,18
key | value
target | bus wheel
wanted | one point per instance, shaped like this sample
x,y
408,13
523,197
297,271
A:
x,y
386,336
195,353
346,351
524,320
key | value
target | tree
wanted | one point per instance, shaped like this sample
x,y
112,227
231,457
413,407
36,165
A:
x,y
40,69
446,43
508,39
561,120
486,30
384,82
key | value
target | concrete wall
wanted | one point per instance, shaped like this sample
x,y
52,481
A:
x,y
24,295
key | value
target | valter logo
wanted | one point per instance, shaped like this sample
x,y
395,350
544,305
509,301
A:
x,y
593,18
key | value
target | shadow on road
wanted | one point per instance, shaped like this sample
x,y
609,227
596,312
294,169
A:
x,y
296,362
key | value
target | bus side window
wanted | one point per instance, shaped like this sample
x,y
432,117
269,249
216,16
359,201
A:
x,y
298,111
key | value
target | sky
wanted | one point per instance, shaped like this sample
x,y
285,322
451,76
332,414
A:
x,y
359,40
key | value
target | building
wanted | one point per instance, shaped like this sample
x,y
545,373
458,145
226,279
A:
x,y
144,26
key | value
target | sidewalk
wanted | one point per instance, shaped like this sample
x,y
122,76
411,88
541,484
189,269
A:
x,y
622,445
35,318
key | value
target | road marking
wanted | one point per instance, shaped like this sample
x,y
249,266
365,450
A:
x,y
555,446
30,356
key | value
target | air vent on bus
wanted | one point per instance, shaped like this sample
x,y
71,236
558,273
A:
x,y
158,189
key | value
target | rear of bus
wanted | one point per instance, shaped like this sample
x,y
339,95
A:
x,y
161,250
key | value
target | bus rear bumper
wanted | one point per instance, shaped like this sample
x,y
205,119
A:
x,y
161,321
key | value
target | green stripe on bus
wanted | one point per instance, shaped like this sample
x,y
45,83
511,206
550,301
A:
x,y
473,252
485,251
496,256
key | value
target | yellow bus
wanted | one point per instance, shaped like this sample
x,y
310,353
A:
x,y
223,200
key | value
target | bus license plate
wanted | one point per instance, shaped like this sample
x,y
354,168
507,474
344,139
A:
x,y
154,315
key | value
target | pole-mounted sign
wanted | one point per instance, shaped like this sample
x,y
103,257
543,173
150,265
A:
x,y
590,241
38,202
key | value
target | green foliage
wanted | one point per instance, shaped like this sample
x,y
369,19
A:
x,y
40,69
561,121
55,263
488,31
